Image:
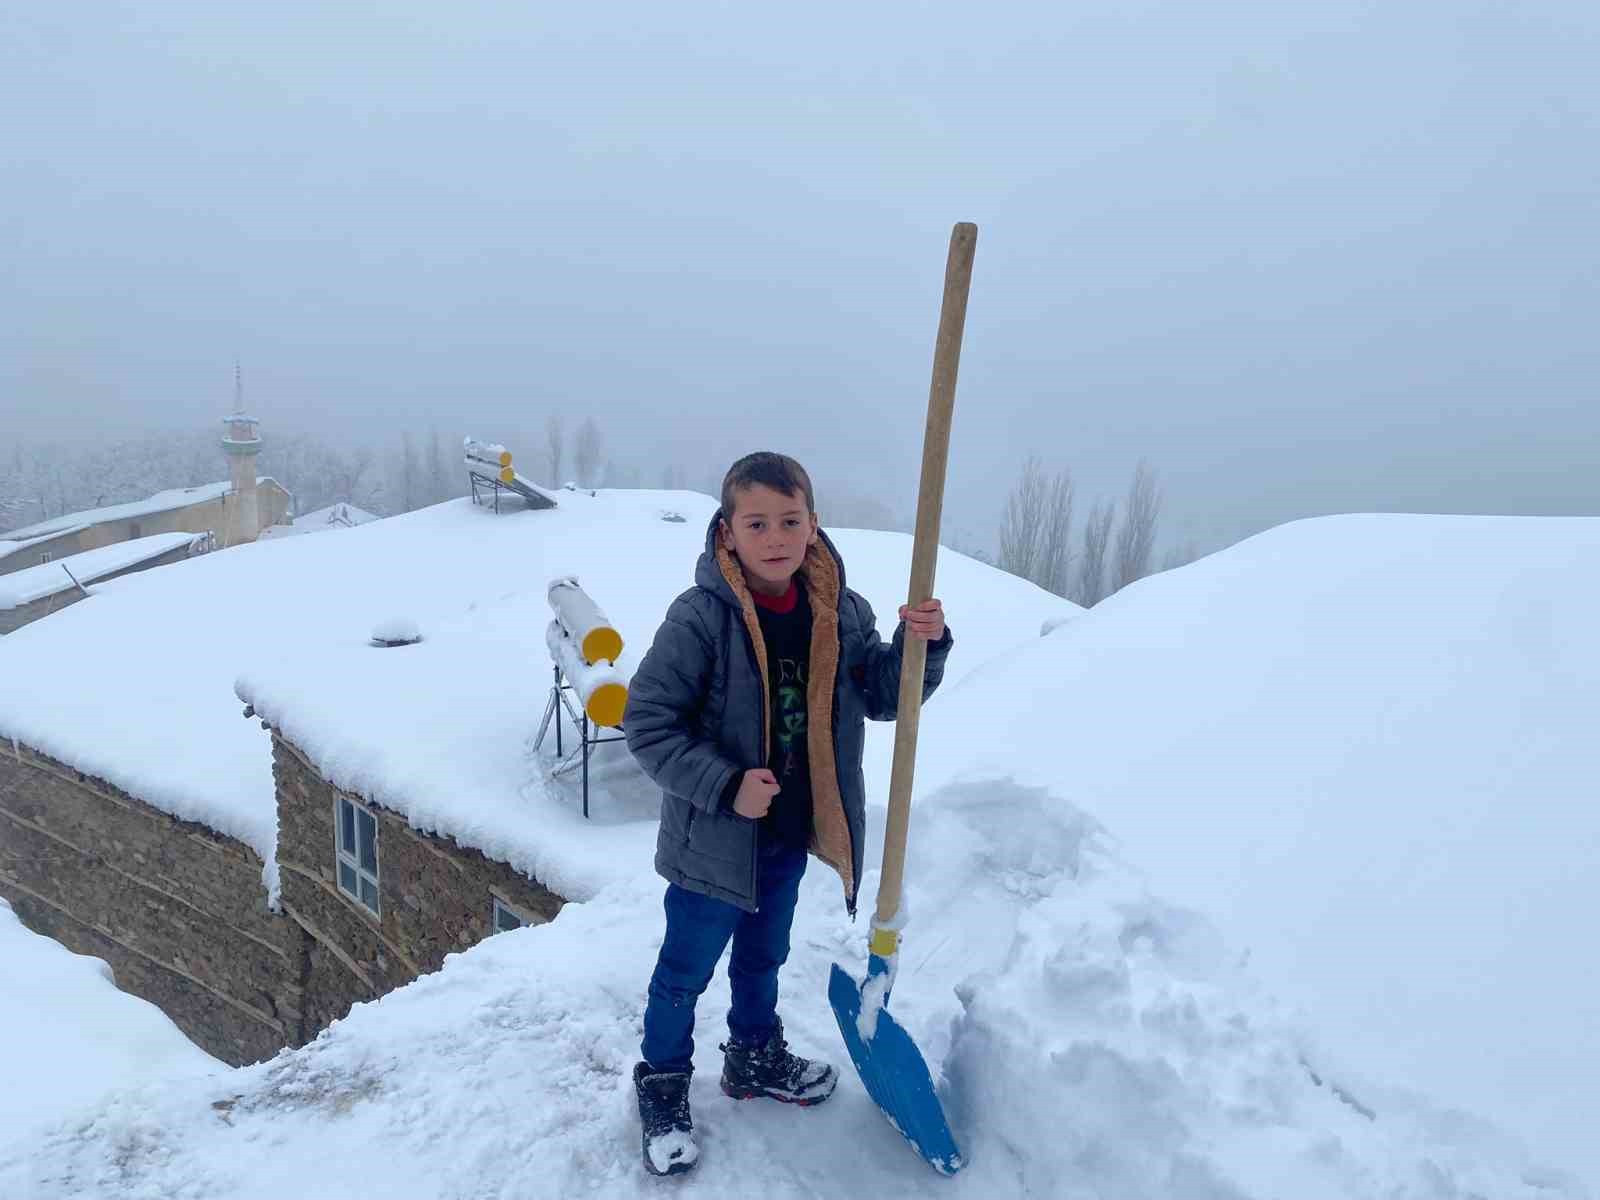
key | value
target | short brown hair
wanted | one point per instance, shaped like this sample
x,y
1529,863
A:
x,y
777,471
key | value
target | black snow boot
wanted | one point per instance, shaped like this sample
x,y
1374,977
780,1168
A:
x,y
669,1145
768,1069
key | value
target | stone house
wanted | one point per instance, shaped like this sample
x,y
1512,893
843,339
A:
x,y
177,910
36,592
376,901
210,508
232,512
376,809
180,911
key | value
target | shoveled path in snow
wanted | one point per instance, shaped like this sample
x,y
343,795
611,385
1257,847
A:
x,y
1098,1043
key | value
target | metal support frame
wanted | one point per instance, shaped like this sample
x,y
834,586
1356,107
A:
x,y
561,694
474,479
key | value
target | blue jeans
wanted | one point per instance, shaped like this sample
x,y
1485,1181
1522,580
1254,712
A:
x,y
698,929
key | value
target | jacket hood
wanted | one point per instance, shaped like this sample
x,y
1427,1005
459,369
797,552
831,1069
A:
x,y
709,574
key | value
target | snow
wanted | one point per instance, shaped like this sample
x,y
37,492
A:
x,y
160,502
1267,877
874,997
46,579
67,1035
1360,745
474,775
673,1148
396,631
290,622
334,516
1097,1043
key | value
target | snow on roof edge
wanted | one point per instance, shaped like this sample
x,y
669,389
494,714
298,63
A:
x,y
27,585
157,502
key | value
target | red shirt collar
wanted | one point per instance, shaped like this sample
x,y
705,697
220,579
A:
x,y
778,604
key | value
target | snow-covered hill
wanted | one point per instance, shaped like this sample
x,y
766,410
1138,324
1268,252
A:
x,y
1263,879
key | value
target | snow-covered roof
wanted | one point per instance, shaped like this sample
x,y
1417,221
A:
x,y
1344,753
475,583
160,502
334,516
9,546
46,579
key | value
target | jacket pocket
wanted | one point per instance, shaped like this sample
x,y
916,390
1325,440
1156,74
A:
x,y
725,837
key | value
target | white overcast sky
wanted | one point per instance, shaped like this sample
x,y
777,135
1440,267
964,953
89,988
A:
x,y
1303,257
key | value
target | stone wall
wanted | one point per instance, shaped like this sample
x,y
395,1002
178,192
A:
x,y
177,909
57,547
179,912
435,896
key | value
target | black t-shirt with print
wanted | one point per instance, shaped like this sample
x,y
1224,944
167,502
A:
x,y
787,635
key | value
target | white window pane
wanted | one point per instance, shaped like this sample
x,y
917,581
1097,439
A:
x,y
367,828
347,827
347,877
369,894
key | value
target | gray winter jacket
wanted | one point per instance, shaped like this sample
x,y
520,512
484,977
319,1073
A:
x,y
698,715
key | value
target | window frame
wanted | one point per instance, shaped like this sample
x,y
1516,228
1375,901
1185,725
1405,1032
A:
x,y
499,907
349,859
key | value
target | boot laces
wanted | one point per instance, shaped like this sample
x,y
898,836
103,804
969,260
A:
x,y
671,1110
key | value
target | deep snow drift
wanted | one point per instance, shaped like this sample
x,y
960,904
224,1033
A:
x,y
69,1035
1208,889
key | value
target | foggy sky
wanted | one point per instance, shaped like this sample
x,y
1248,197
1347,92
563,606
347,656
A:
x,y
1303,258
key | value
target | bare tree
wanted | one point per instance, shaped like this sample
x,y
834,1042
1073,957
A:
x,y
554,437
347,471
410,475
438,487
1137,535
1089,587
1022,526
1055,541
1036,529
586,452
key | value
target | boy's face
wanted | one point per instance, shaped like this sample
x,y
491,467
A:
x,y
769,532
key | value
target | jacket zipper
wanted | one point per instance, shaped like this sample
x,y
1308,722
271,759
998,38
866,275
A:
x,y
766,720
855,882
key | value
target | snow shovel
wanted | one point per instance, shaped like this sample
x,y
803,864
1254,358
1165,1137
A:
x,y
891,1066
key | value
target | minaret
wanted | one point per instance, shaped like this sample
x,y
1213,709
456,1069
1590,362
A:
x,y
241,443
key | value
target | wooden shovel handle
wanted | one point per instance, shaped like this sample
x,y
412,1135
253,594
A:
x,y
924,556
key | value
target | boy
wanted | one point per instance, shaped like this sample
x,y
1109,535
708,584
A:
x,y
749,711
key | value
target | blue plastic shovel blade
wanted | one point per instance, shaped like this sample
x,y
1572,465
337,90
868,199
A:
x,y
895,1075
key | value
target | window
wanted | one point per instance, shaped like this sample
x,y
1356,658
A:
x,y
504,918
134,531
356,853
44,557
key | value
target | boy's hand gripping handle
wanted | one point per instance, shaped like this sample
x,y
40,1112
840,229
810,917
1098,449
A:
x,y
924,555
